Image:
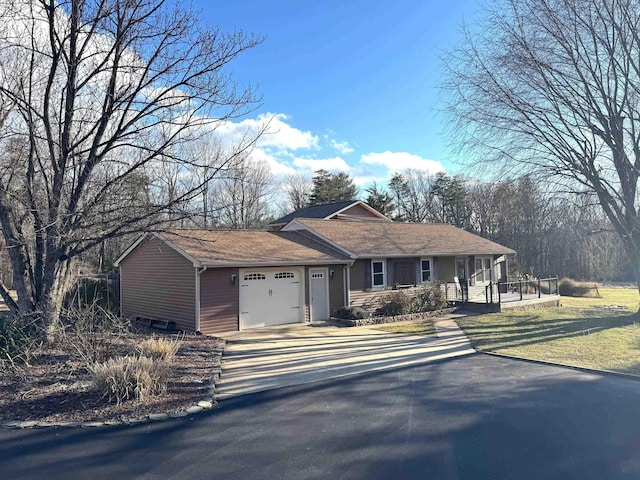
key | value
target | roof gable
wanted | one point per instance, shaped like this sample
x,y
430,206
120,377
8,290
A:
x,y
358,209
146,236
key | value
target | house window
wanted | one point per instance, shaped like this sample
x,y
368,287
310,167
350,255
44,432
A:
x,y
377,273
425,267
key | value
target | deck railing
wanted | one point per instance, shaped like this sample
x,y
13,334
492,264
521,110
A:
x,y
522,288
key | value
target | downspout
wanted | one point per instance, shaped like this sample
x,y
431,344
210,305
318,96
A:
x,y
347,285
198,273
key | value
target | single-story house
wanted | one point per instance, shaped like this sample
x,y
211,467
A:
x,y
216,281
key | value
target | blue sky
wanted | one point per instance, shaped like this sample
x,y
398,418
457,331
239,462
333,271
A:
x,y
353,84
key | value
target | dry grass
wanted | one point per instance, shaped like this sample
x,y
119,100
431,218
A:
x,y
159,348
601,333
127,378
423,327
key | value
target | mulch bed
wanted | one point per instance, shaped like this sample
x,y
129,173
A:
x,y
56,387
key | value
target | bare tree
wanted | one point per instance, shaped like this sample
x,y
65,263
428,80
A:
x,y
552,87
297,189
241,195
99,94
413,196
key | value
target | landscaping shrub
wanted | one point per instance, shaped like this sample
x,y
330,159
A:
x,y
352,313
570,288
397,303
430,298
91,333
127,378
20,338
159,348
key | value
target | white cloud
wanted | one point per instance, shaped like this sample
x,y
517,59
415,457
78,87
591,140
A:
x,y
277,167
282,135
277,135
342,147
398,161
335,164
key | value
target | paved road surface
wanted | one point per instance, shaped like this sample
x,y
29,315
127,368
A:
x,y
474,417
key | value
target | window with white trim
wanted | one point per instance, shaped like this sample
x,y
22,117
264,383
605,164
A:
x,y
377,273
426,269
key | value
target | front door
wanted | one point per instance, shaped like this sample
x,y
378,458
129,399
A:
x,y
319,293
482,274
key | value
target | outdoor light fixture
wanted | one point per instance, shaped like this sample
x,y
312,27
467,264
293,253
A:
x,y
233,279
331,272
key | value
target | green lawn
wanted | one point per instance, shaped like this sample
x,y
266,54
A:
x,y
423,327
583,332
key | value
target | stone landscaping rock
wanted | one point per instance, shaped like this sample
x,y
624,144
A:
x,y
205,404
194,409
158,416
68,424
135,420
92,424
11,423
27,424
178,415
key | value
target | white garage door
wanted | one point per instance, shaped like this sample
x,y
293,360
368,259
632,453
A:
x,y
270,297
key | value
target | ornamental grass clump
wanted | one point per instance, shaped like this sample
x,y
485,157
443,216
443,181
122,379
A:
x,y
159,348
571,288
130,378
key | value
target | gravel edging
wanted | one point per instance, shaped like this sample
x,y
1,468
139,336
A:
x,y
395,319
628,376
207,403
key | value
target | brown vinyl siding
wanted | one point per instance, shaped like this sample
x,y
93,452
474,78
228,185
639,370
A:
x,y
358,211
360,293
336,288
158,283
358,270
445,268
219,300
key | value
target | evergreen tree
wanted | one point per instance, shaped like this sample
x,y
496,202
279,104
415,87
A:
x,y
332,187
379,199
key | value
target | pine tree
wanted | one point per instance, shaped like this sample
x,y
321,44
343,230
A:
x,y
332,187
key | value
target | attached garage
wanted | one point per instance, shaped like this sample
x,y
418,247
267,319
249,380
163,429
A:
x,y
271,296
220,281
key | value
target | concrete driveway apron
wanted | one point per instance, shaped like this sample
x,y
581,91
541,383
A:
x,y
273,357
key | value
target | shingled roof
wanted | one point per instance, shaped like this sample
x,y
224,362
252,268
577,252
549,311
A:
x,y
372,239
255,248
316,211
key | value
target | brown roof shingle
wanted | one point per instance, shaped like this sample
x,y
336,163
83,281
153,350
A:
x,y
371,238
246,247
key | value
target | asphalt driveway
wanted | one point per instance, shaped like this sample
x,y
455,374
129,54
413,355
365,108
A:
x,y
471,417
262,359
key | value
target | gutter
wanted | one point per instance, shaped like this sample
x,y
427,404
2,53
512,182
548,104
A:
x,y
277,263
